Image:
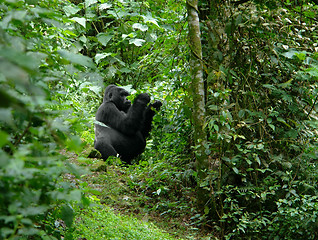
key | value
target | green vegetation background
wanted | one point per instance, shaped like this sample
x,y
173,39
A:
x,y
260,66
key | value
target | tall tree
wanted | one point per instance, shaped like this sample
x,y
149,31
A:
x,y
197,93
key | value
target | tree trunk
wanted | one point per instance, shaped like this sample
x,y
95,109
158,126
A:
x,y
197,87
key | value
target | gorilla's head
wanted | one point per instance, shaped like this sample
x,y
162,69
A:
x,y
118,96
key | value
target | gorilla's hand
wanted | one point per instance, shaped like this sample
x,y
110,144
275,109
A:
x,y
156,105
143,97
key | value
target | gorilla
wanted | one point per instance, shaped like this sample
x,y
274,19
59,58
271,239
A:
x,y
121,128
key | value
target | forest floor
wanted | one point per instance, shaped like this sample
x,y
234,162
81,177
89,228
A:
x,y
119,209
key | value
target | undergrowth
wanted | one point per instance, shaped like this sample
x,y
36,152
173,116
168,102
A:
x,y
154,192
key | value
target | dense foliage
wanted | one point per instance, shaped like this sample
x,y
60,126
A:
x,y
260,64
261,99
32,131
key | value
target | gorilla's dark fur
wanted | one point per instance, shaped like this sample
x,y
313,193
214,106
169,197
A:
x,y
121,129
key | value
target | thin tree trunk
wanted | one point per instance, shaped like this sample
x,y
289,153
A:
x,y
197,86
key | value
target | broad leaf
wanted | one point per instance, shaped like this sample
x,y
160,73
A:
x,y
77,58
89,2
104,6
138,42
150,19
81,21
141,27
104,38
71,10
100,56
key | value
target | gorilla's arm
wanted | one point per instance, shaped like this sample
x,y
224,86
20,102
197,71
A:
x,y
149,114
128,123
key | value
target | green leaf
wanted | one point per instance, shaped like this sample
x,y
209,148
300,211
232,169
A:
x,y
141,27
290,54
111,71
151,37
125,70
292,133
271,126
67,215
104,6
238,19
213,107
19,58
81,21
150,19
31,210
286,84
313,71
4,159
104,38
71,10
269,86
241,113
263,196
6,115
206,210
74,143
89,3
131,35
3,138
137,42
77,58
256,158
100,56
301,55
75,195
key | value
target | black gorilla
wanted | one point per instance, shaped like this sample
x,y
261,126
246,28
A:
x,y
121,129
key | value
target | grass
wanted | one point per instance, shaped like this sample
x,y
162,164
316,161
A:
x,y
101,222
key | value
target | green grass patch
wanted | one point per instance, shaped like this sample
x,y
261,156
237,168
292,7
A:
x,y
101,222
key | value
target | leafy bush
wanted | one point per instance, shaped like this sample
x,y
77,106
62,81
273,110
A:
x,y
296,218
33,194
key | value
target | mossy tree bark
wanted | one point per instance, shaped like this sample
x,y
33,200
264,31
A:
x,y
197,93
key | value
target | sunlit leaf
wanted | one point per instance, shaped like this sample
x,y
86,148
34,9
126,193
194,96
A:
x,y
289,54
77,58
104,6
81,21
100,56
235,170
89,2
150,19
141,27
137,42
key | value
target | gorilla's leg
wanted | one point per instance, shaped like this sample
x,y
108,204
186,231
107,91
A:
x,y
105,149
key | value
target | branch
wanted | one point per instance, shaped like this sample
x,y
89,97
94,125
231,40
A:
x,y
312,107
